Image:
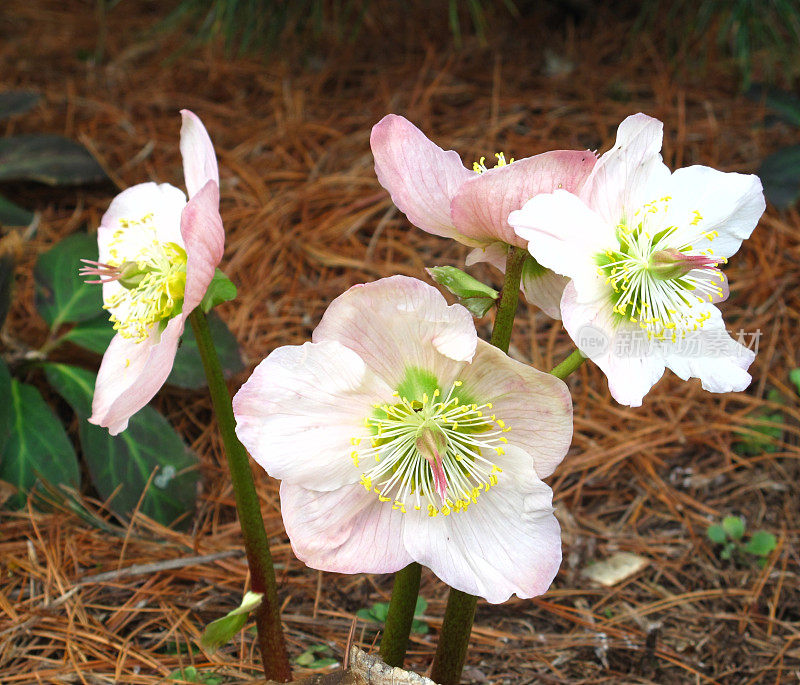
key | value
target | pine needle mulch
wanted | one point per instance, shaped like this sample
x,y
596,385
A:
x,y
86,598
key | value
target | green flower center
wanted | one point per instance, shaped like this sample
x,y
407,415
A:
x,y
656,282
429,451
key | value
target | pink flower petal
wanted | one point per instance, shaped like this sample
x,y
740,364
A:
x,y
421,177
300,410
204,240
131,374
199,159
625,176
345,531
536,406
399,322
482,204
507,542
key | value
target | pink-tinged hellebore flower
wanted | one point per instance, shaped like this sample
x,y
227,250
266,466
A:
x,y
400,436
439,195
642,247
158,254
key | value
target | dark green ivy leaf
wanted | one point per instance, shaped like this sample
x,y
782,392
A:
x,y
38,447
61,294
123,464
50,159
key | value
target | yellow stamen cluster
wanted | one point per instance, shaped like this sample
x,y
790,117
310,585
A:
x,y
159,293
644,291
401,475
480,167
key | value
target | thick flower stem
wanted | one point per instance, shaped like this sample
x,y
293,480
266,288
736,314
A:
x,y
509,297
401,614
259,559
460,612
569,365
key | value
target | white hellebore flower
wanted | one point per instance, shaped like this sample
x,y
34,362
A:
x,y
400,436
158,253
643,248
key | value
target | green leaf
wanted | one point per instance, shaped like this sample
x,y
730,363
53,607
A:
x,y
50,159
420,606
6,285
122,465
187,371
461,284
785,104
191,675
734,527
94,335
14,215
419,627
221,631
780,174
221,289
794,377
6,408
38,446
727,551
761,543
61,295
309,658
15,102
716,533
477,306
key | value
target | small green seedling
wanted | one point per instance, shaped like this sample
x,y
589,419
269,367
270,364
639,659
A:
x,y
764,436
794,377
378,612
189,674
222,630
730,534
317,656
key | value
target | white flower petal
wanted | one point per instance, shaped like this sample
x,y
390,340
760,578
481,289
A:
x,y
507,542
131,374
536,406
345,531
298,412
163,201
624,177
728,203
711,355
564,235
616,347
398,323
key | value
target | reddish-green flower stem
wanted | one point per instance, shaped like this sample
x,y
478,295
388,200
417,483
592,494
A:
x,y
459,614
256,545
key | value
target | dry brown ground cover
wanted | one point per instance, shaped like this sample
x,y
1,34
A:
x,y
305,219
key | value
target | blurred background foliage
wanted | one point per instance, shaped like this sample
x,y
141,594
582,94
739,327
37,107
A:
x,y
760,38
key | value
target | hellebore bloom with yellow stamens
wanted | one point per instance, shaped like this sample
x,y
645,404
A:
x,y
158,254
400,436
441,196
643,247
